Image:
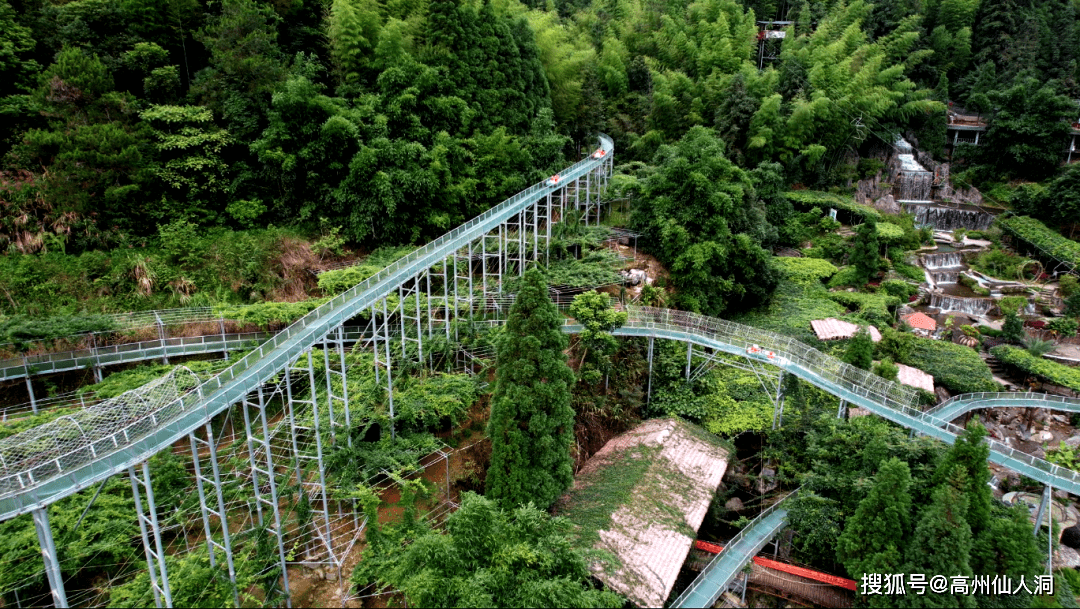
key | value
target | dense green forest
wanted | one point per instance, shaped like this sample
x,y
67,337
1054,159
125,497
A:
x,y
161,153
127,122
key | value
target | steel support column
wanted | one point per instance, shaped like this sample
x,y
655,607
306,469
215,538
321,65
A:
x,y
225,350
49,556
648,393
778,404
1043,505
215,482
161,336
30,389
260,455
155,556
319,450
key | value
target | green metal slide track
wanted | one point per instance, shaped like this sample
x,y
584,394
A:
x,y
49,469
965,403
722,569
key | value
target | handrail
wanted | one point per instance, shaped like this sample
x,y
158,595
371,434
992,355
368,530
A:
x,y
832,375
882,397
74,463
964,403
731,548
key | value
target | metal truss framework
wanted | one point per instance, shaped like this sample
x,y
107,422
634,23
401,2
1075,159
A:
x,y
286,435
289,424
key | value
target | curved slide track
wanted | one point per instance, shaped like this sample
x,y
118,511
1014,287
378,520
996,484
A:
x,y
722,569
962,404
55,460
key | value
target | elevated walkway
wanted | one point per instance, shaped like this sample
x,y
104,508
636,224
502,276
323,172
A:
x,y
66,462
60,467
962,404
722,569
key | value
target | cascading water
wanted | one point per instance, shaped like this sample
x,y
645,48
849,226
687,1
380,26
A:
x,y
915,181
949,218
915,186
956,304
947,260
945,276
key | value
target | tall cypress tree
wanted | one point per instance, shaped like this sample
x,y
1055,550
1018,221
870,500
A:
x,y
864,250
971,453
873,538
942,543
532,424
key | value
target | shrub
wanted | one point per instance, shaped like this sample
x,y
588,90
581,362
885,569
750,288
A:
x,y
846,277
1047,370
21,331
912,272
1063,326
806,270
955,367
997,262
860,350
1038,347
825,200
266,314
889,232
1011,305
337,281
1013,329
900,289
874,308
887,370
1068,285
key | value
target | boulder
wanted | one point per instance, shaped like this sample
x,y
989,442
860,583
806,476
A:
x,y
634,276
888,205
767,481
1072,441
734,505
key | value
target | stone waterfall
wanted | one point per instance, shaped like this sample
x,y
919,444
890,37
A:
x,y
945,276
914,181
946,260
956,304
915,191
951,218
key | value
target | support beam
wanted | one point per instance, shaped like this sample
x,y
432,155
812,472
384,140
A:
x,y
319,447
778,404
148,525
218,511
161,336
648,392
48,554
1043,506
30,390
